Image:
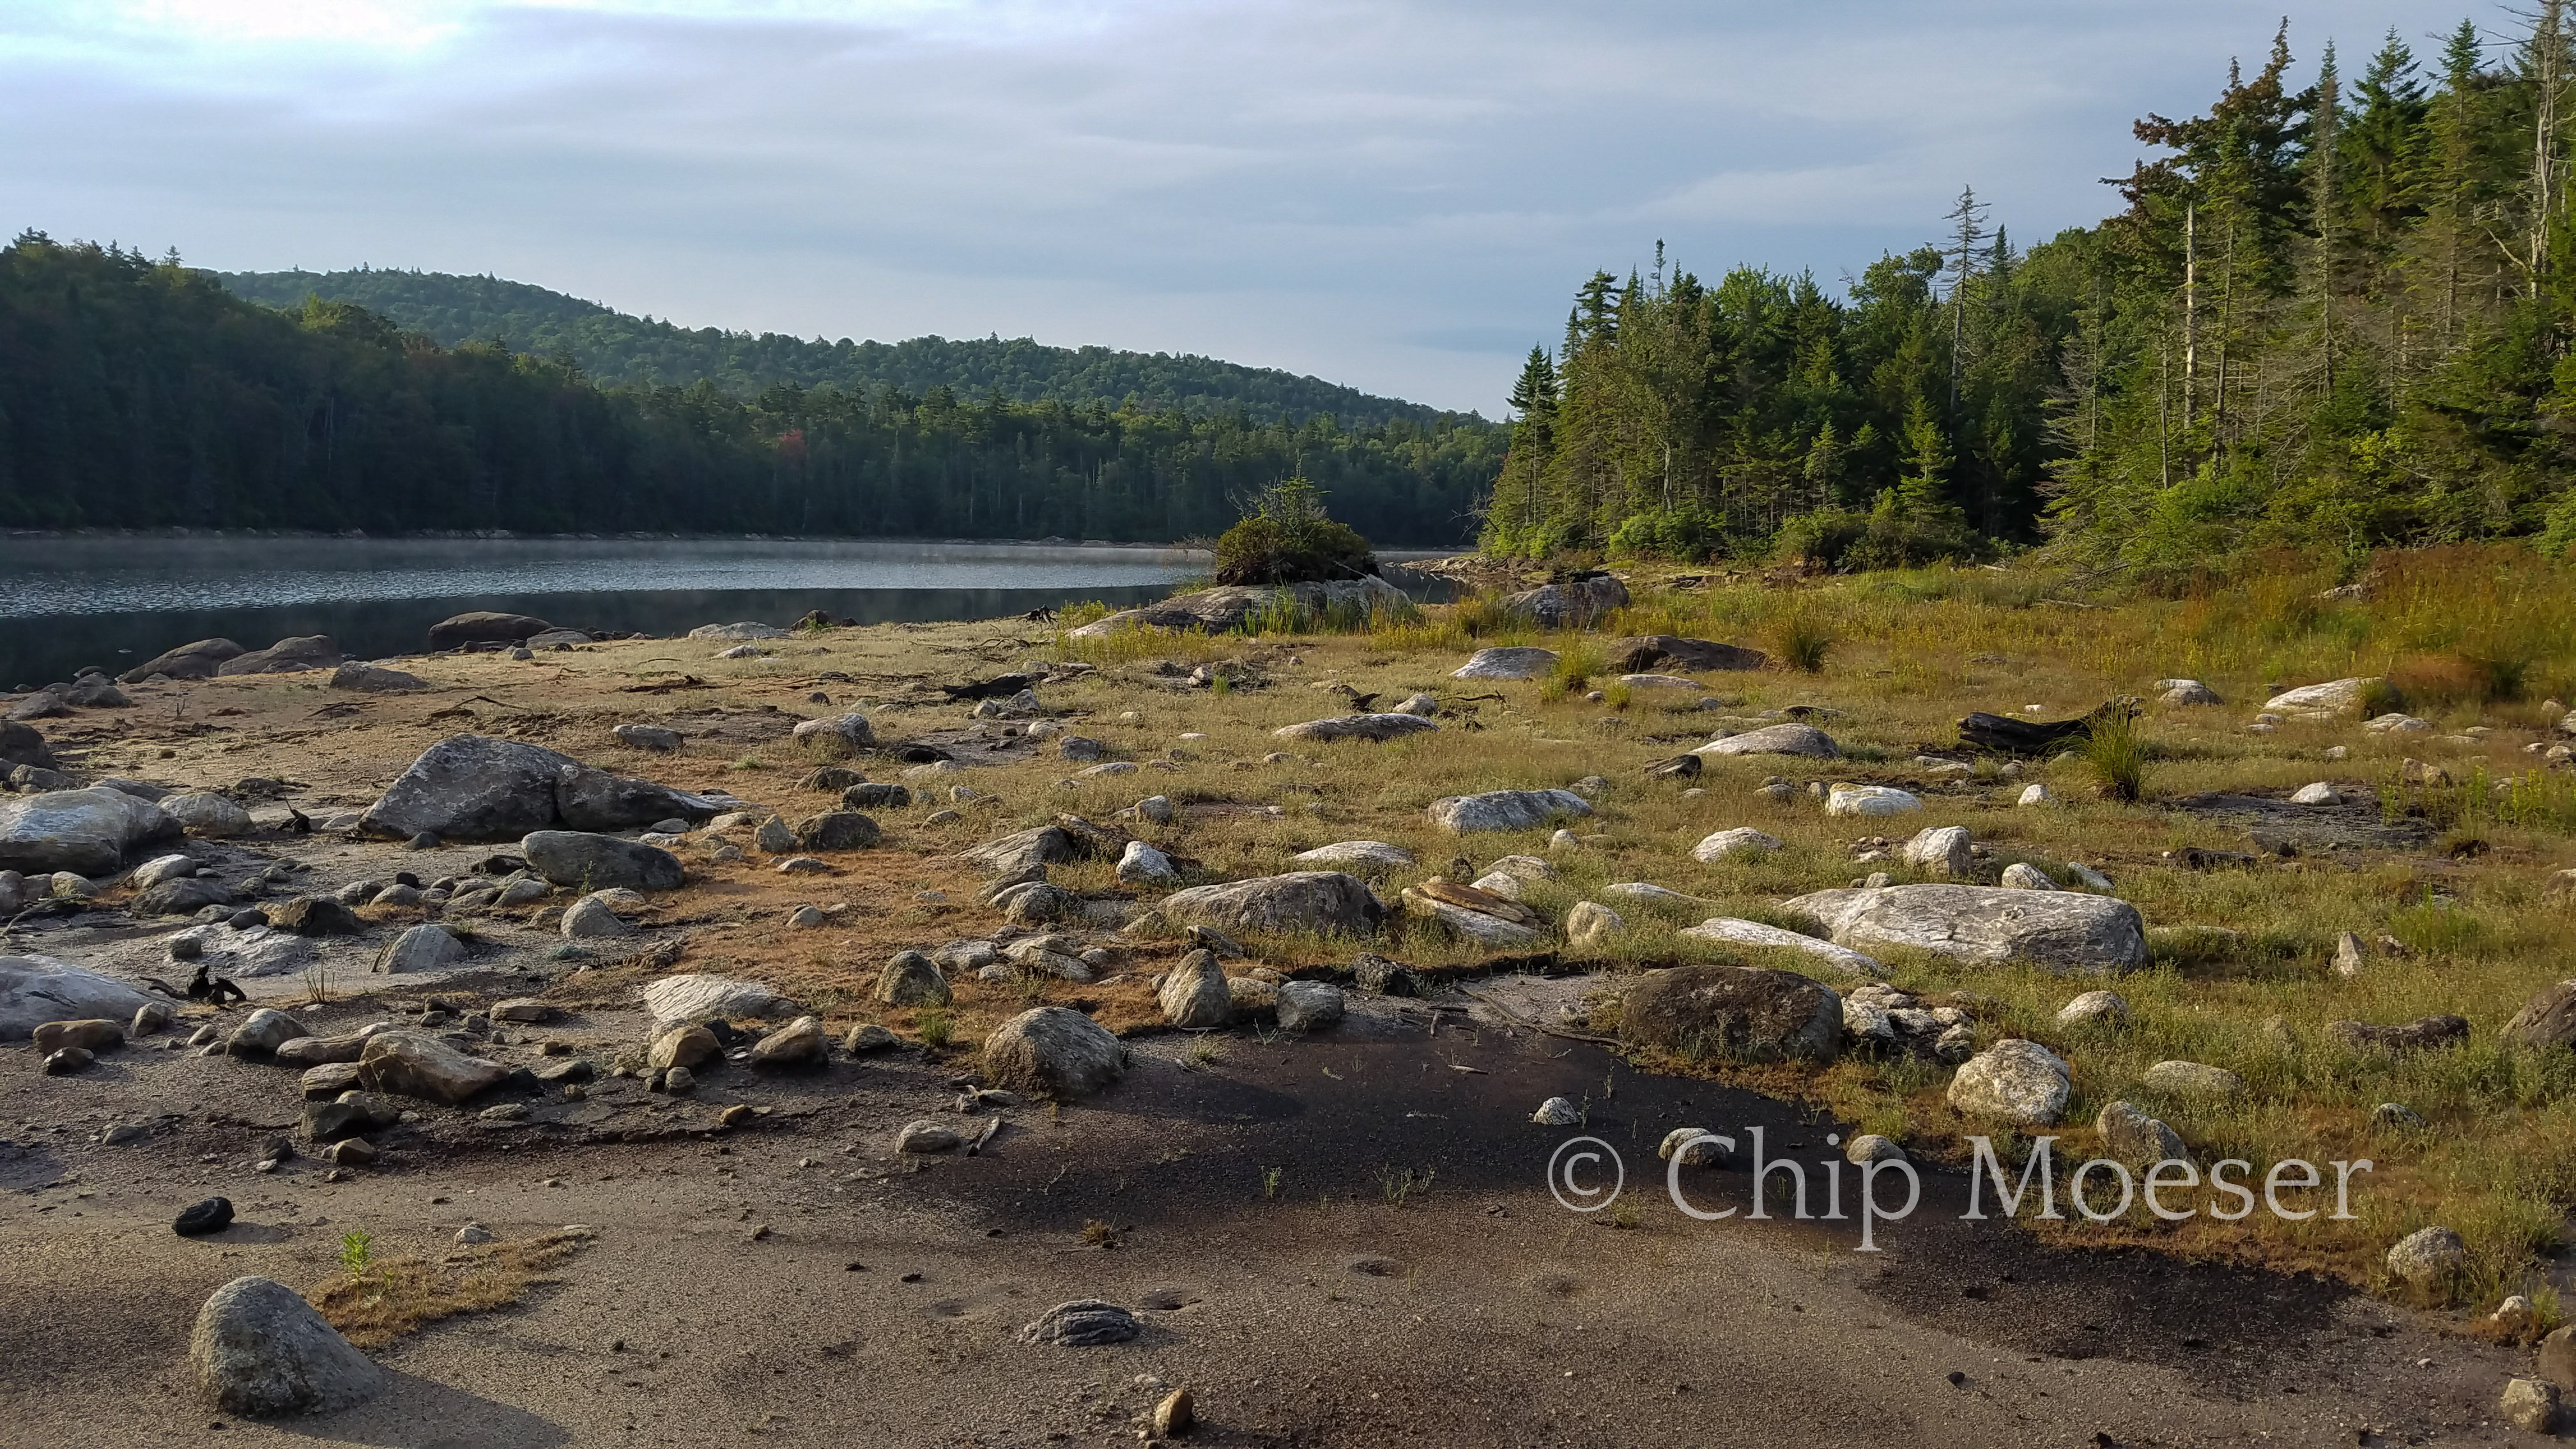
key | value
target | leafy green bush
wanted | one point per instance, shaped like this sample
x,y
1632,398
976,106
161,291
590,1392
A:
x,y
1285,538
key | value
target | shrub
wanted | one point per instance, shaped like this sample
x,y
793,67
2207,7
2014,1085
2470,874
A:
x,y
1285,538
2116,755
1801,643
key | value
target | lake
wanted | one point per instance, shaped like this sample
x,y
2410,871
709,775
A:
x,y
115,601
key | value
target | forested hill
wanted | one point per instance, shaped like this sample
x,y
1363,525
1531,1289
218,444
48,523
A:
x,y
141,393
620,350
2334,310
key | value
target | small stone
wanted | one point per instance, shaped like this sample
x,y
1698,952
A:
x,y
1084,1323
2021,875
1871,1147
679,1081
2105,1008
1176,1414
199,1219
868,1036
1695,1146
1557,1112
926,1136
2530,1405
1590,924
2427,1256
473,1234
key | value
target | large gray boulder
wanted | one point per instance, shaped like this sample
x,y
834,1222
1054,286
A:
x,y
1733,1013
485,627
2336,696
1357,727
416,1064
1507,663
1045,845
38,989
260,1350
207,814
1325,902
2062,929
2129,1135
2547,1020
1686,656
1053,1051
286,656
1194,995
1220,609
1507,810
189,661
2018,1082
1569,605
1362,855
677,1000
23,744
1778,739
589,862
85,831
471,787
182,896
587,799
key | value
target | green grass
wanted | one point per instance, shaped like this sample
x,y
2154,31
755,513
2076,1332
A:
x,y
2115,755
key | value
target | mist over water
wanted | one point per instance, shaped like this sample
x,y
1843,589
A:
x,y
66,603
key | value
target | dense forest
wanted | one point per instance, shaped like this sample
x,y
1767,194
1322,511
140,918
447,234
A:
x,y
141,393
617,350
2335,313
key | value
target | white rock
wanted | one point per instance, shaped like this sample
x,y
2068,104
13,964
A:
x,y
1657,681
1941,850
1421,704
2023,876
1638,890
1476,926
2087,877
1355,854
2427,1256
1695,1146
1590,924
1507,664
2016,1081
2320,793
260,1350
1743,840
1144,865
2036,793
2335,695
1730,931
207,814
1506,810
2105,1007
2063,929
696,997
422,948
1870,800
1557,1112
168,867
1779,739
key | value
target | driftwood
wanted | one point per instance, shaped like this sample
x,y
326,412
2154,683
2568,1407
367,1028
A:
x,y
1000,686
2038,737
1679,767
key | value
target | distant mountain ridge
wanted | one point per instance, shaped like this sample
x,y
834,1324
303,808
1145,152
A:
x,y
615,349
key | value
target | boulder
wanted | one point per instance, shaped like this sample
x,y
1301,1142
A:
x,y
374,679
593,918
84,831
1687,656
925,1136
262,1033
1941,850
876,796
845,734
485,627
2427,1256
911,979
1323,902
589,862
2131,1136
2062,929
260,1350
587,799
1357,727
1507,810
2193,1079
1729,931
2529,1404
160,868
1870,800
244,952
286,656
1355,855
647,737
1572,604
91,1034
1142,864
1479,926
416,1064
2021,875
2547,1020
683,1047
1045,845
1194,995
1306,1005
696,997
184,896
315,1051
2108,1008
1735,1012
1590,924
424,947
2335,697
1086,1323
22,744
314,916
837,830
1054,1051
2016,1081
1778,739
799,1045
199,660
471,787
1743,840
1507,663
206,814
1218,610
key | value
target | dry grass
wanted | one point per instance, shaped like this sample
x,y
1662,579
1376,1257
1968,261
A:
x,y
388,1299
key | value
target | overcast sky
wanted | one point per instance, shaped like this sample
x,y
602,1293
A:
x,y
1399,194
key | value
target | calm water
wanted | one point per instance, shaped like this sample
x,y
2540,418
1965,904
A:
x,y
113,602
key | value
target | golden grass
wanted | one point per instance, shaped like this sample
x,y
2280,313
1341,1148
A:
x,y
388,1299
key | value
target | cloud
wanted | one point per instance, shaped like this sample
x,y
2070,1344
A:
x,y
1399,194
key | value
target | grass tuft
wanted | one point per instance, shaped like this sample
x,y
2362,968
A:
x,y
376,1301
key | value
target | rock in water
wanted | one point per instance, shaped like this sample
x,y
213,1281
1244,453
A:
x,y
471,787
199,1219
1321,901
588,862
1778,739
286,656
1507,810
1085,1323
84,831
260,1350
37,989
2062,929
1734,1011
189,661
416,1064
1194,996
1053,1051
2016,1081
485,627
911,979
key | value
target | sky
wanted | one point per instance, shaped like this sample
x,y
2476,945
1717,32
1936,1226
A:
x,y
1400,195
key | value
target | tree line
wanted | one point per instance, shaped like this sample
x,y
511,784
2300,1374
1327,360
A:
x,y
2332,315
140,393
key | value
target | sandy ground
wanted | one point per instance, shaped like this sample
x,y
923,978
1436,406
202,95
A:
x,y
1347,1239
